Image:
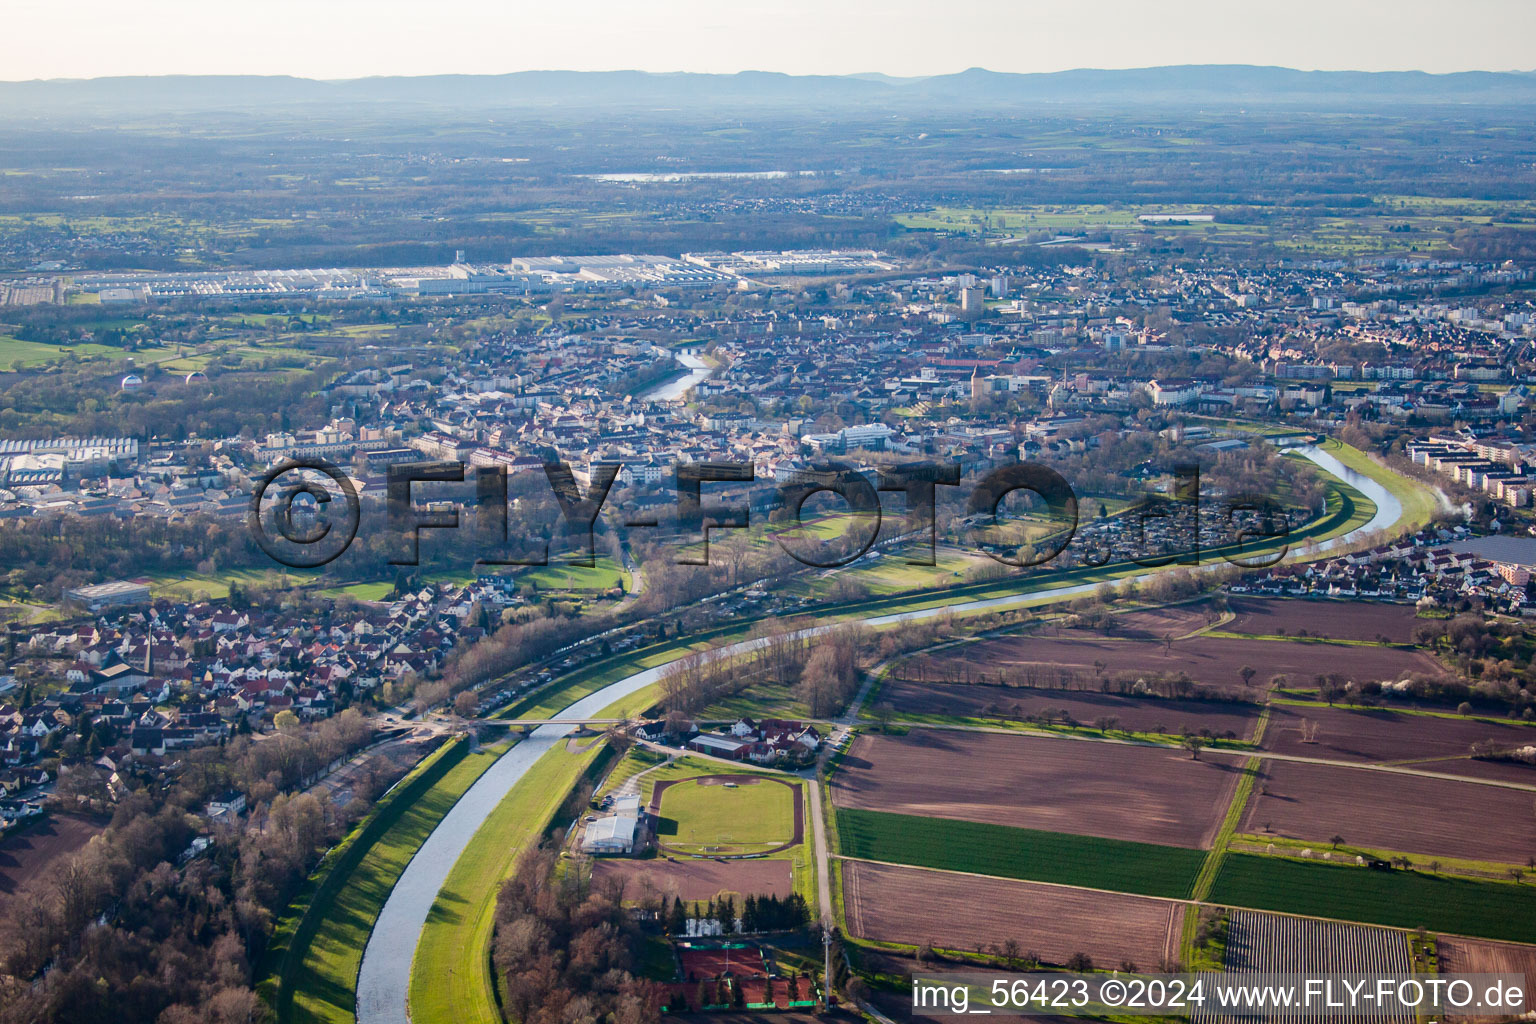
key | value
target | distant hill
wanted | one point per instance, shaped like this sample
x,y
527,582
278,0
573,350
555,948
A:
x,y
1224,86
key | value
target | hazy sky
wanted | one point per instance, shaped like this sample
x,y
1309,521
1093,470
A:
x,y
353,38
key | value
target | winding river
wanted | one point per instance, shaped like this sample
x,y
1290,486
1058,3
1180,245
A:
x,y
698,370
383,983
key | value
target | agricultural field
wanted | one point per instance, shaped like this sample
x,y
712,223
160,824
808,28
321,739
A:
x,y
26,853
1275,943
1438,743
727,815
1398,899
983,849
1335,620
1113,791
1392,811
1080,660
1259,943
910,906
1135,714
696,879
1153,623
1478,956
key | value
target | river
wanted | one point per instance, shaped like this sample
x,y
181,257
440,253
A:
x,y
384,981
698,370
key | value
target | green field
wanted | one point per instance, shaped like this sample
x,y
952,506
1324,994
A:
x,y
1402,899
603,574
451,977
318,972
746,817
360,591
984,849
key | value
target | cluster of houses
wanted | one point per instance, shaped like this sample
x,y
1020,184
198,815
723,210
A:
x,y
169,676
760,741
1444,566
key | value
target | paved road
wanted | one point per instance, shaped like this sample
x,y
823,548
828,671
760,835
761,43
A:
x,y
383,983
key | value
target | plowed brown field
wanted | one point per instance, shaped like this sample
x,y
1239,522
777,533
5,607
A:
x,y
1076,660
25,854
965,912
1349,734
1338,620
1141,714
697,879
1387,811
1112,790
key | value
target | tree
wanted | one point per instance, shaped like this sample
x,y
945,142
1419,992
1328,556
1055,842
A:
x,y
1193,743
286,721
884,714
677,920
1247,672
466,704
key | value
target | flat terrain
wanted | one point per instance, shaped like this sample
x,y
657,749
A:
x,y
1259,943
1371,735
1117,791
1277,944
1478,956
1075,660
1401,899
1156,623
726,814
913,906
1149,869
1337,620
1137,714
697,879
25,854
1386,811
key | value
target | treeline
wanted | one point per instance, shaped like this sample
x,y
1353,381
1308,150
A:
x,y
823,669
767,913
568,951
50,555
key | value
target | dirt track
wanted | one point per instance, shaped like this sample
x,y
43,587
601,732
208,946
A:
x,y
1112,790
965,912
795,839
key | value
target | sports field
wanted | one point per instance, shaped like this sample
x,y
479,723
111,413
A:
x,y
721,814
1091,862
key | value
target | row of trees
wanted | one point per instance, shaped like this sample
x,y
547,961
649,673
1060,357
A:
x,y
758,914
